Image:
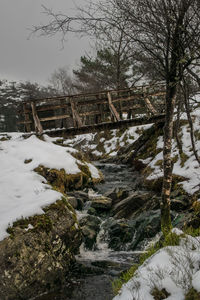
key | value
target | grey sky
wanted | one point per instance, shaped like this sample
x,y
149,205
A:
x,y
34,59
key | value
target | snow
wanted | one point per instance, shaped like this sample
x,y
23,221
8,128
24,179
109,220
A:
x,y
111,144
24,192
174,268
94,172
190,169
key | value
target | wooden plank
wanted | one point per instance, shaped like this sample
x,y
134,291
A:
x,y
27,119
112,108
49,107
38,126
52,107
133,89
94,101
97,112
54,118
108,125
90,113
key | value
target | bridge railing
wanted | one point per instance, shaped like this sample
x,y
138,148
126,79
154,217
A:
x,y
93,108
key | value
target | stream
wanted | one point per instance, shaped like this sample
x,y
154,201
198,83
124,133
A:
x,y
95,270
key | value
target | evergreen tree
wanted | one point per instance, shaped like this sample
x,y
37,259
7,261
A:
x,y
108,70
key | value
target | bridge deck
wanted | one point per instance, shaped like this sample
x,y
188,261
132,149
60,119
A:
x,y
76,114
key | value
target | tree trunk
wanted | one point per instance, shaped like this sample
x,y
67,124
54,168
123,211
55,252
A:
x,y
167,161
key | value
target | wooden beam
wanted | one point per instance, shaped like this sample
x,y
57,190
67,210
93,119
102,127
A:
x,y
107,125
150,106
76,118
60,117
25,122
112,108
38,126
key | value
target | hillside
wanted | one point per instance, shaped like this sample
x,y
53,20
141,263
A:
x,y
46,209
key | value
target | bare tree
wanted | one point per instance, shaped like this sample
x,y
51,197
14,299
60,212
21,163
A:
x,y
167,32
61,81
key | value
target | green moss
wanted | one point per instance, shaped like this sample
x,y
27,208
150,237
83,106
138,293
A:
x,y
159,294
175,159
80,156
27,161
155,184
140,130
63,182
85,169
183,122
170,240
159,163
192,231
192,295
4,138
151,149
120,132
42,222
39,222
183,158
176,179
197,134
125,277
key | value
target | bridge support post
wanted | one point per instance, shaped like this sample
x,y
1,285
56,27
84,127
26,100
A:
x,y
38,126
112,108
76,118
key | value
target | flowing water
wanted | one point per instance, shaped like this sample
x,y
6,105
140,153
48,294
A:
x,y
95,270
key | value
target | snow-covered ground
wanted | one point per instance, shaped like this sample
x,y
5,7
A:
x,y
174,268
109,143
22,191
187,166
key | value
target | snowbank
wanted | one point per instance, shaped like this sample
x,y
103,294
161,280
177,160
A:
x,y
174,268
22,191
187,165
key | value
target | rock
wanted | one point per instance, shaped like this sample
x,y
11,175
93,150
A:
x,y
119,233
92,211
101,203
73,201
193,221
126,207
117,194
81,198
79,194
90,226
179,203
36,258
147,225
123,235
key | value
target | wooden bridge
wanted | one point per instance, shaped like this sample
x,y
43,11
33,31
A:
x,y
84,113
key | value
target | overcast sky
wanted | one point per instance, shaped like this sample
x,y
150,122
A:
x,y
34,59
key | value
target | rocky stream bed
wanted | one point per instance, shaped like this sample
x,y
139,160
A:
x,y
115,230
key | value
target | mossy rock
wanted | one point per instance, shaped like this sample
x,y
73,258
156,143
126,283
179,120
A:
x,y
38,254
192,294
156,184
160,294
65,182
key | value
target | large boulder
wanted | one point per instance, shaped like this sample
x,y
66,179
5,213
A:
x,y
123,234
101,203
131,204
38,254
90,226
117,194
